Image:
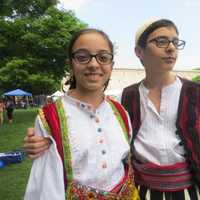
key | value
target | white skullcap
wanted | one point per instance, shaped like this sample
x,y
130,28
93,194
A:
x,y
143,27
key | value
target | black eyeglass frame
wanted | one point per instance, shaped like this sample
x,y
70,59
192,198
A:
x,y
179,44
96,56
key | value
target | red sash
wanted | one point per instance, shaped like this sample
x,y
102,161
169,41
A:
x,y
163,178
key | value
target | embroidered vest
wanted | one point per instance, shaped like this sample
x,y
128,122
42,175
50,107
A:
x,y
54,120
187,123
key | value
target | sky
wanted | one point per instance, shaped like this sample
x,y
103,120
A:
x,y
121,18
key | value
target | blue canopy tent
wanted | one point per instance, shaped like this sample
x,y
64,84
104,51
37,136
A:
x,y
19,92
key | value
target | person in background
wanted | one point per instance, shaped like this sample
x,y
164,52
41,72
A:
x,y
49,100
165,114
10,109
2,107
90,133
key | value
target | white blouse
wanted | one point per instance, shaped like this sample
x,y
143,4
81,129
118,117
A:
x,y
98,145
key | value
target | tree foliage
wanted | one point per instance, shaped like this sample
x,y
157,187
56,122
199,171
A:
x,y
196,79
33,40
25,8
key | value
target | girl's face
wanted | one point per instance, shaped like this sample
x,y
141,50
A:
x,y
91,62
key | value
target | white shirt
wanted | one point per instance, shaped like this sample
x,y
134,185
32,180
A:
x,y
156,140
98,145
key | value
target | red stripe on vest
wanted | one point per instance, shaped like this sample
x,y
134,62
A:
x,y
52,119
123,114
51,116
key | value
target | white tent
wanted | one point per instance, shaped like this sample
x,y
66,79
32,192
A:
x,y
56,95
115,93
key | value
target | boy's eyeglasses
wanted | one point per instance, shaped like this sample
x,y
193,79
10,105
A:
x,y
163,42
84,57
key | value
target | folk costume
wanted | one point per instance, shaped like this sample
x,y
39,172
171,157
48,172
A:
x,y
89,155
166,145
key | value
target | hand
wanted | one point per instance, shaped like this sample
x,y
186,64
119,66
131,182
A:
x,y
35,145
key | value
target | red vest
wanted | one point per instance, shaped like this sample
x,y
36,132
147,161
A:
x,y
187,123
52,118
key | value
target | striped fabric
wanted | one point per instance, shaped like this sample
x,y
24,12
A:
x,y
163,178
192,193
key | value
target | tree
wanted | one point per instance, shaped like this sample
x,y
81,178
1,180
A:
x,y
24,8
33,45
196,79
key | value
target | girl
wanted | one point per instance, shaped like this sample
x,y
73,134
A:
x,y
90,133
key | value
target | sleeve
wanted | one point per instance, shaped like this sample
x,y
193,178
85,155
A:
x,y
46,177
39,128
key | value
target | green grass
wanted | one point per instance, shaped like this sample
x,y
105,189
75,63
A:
x,y
14,177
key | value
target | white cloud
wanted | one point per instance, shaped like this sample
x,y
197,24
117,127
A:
x,y
73,4
191,3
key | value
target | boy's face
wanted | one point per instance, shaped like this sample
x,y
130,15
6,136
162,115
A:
x,y
154,56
